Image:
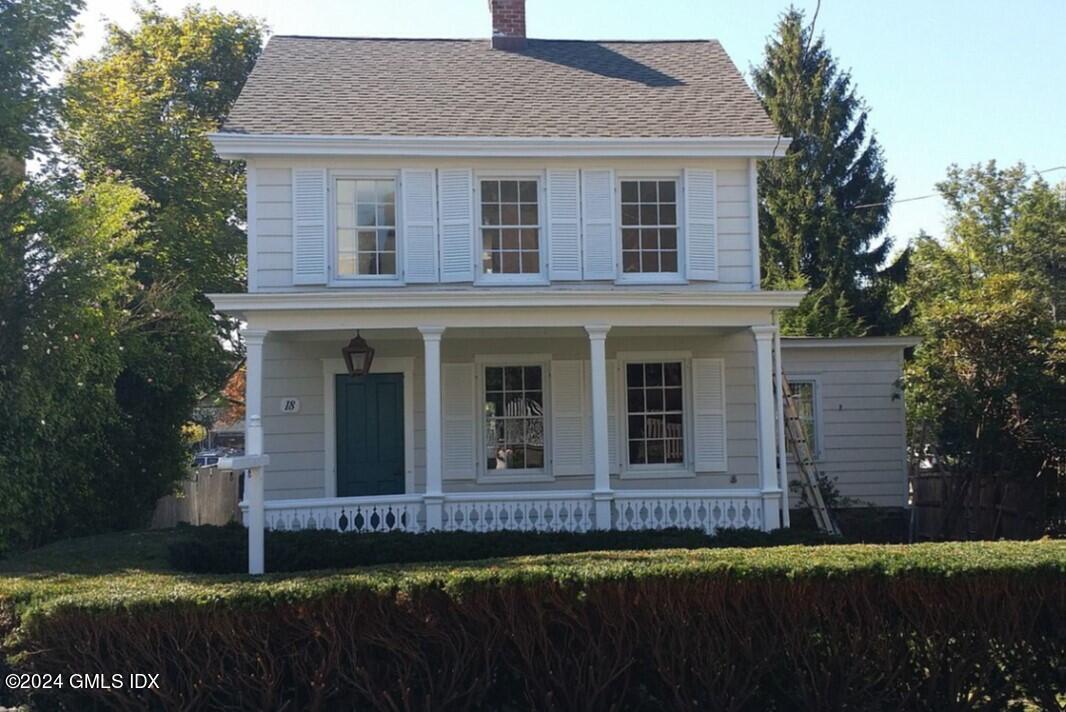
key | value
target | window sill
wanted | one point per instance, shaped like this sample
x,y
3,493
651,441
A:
x,y
631,279
658,474
514,478
536,281
366,282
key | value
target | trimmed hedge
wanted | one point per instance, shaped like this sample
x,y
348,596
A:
x,y
224,550
957,626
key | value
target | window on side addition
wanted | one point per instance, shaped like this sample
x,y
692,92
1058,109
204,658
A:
x,y
804,400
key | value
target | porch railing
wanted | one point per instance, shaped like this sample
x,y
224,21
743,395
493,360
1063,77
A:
x,y
572,511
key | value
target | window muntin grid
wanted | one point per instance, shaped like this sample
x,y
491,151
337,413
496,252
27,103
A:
x,y
366,227
514,418
655,413
510,226
649,226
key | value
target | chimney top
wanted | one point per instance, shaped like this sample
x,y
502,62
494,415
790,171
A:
x,y
508,24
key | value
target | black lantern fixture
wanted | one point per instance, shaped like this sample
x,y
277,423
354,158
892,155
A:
x,y
358,355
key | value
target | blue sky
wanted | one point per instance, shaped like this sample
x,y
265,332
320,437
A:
x,y
946,80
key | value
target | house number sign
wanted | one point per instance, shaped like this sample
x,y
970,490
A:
x,y
290,405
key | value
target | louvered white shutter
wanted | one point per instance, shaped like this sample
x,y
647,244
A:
x,y
709,436
701,226
456,225
458,461
564,230
309,242
612,417
597,213
571,419
419,191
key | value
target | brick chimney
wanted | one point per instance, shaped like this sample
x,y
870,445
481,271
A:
x,y
508,24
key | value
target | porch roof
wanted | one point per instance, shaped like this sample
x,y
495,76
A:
x,y
405,308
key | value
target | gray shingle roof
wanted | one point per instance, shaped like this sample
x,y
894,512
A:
x,y
552,89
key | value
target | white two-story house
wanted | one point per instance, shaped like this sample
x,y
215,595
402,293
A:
x,y
552,250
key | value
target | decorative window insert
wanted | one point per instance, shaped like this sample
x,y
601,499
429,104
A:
x,y
655,413
365,215
649,226
510,227
804,398
514,418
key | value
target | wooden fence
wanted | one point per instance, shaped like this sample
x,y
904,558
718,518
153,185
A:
x,y
952,506
208,496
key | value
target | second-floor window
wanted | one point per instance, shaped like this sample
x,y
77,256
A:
x,y
649,226
366,227
510,227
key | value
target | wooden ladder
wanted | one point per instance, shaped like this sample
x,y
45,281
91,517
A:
x,y
801,451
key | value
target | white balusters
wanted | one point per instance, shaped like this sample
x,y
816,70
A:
x,y
639,510
522,512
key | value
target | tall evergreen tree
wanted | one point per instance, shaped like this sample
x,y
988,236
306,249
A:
x,y
824,206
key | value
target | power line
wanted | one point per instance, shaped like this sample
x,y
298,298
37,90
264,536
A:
x,y
933,195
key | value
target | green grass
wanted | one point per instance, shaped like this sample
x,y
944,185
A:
x,y
128,570
101,554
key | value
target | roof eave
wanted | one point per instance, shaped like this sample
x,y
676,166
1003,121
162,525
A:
x,y
242,146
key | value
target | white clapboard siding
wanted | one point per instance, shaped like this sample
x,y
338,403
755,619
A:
x,y
571,419
709,434
564,228
458,461
456,191
597,214
309,226
419,190
701,228
613,436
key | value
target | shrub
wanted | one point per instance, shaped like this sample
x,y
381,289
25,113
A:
x,y
208,549
927,627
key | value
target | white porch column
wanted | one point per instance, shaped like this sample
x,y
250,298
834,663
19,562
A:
x,y
765,414
601,460
434,499
253,447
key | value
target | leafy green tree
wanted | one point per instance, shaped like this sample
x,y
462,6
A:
x,y
987,385
143,108
106,339
824,206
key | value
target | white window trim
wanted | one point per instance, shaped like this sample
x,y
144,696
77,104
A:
x,y
540,278
678,277
370,280
818,446
331,368
481,362
687,468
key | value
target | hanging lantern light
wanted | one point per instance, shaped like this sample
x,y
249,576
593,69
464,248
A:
x,y
358,355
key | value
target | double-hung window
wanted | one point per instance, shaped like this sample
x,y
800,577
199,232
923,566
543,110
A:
x,y
655,413
365,219
510,229
805,401
649,226
514,424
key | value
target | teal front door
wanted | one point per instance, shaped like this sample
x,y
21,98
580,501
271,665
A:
x,y
370,451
